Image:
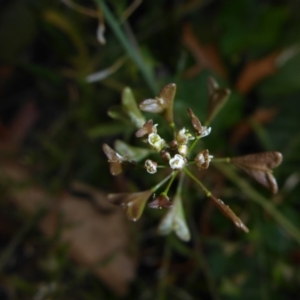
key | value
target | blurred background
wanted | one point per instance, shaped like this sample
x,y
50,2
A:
x,y
63,64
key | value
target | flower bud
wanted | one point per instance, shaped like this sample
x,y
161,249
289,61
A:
x,y
151,166
183,150
165,155
203,159
173,144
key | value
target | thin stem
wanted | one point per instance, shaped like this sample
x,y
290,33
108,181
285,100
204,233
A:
x,y
163,181
206,191
165,192
221,160
180,184
131,51
193,145
172,126
259,199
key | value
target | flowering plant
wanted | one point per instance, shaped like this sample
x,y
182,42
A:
x,y
177,155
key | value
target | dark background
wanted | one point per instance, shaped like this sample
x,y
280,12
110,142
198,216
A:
x,y
54,121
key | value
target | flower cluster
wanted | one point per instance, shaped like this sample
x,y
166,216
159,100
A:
x,y
177,155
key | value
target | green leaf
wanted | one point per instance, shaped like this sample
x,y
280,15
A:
x,y
134,153
130,107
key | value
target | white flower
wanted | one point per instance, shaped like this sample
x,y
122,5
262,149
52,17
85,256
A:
x,y
177,162
156,142
205,131
151,166
183,136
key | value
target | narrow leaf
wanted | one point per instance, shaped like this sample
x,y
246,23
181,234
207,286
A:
x,y
130,107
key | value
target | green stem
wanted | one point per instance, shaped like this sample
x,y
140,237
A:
x,y
206,191
259,199
193,145
131,51
221,159
163,181
165,192
180,184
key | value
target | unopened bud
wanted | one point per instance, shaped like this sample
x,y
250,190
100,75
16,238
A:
x,y
165,155
183,150
203,159
173,144
151,166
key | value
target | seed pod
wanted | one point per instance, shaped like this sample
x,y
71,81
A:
x,y
147,128
133,203
116,161
163,103
195,121
201,131
259,166
225,209
162,201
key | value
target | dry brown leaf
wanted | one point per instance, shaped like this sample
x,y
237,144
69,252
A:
x,y
243,129
206,56
255,71
95,230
